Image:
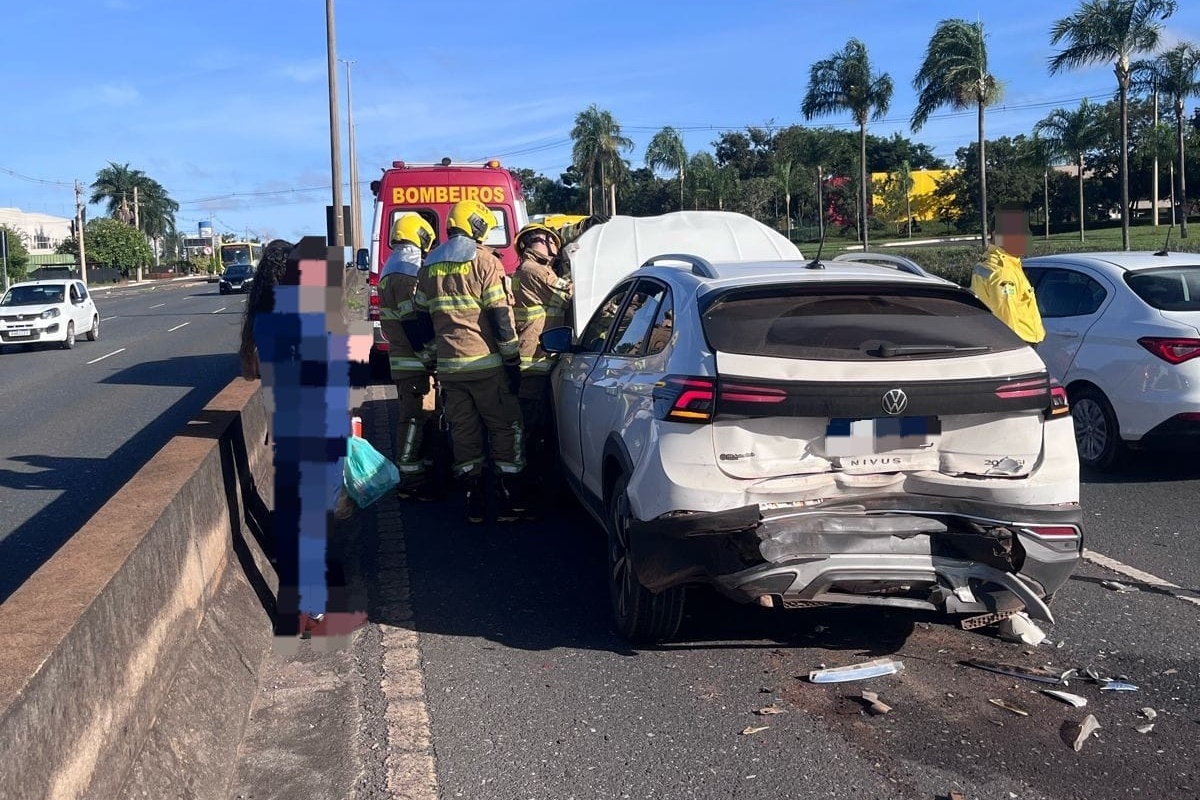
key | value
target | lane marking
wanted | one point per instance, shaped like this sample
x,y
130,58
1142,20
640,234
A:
x,y
101,358
219,310
106,319
177,327
160,305
1136,574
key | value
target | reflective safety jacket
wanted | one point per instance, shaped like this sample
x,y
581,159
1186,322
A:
x,y
540,303
1000,282
462,293
397,290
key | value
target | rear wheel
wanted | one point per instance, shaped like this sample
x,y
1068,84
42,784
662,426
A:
x,y
1097,433
69,342
638,613
94,333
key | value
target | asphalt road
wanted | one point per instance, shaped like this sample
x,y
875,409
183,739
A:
x,y
78,423
530,695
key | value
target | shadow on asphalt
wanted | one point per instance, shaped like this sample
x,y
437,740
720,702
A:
x,y
84,485
1147,467
541,585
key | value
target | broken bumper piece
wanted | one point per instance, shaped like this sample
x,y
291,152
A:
x,y
954,555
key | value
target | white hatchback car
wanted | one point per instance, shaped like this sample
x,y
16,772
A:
x,y
48,311
848,431
1123,337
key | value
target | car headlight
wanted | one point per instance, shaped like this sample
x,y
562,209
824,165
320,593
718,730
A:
x,y
50,313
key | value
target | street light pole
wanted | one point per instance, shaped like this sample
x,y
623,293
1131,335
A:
x,y
356,240
335,143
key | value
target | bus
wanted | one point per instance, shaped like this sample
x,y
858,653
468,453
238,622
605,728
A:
x,y
235,253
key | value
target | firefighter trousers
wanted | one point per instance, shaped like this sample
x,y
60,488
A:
x,y
416,429
534,399
478,403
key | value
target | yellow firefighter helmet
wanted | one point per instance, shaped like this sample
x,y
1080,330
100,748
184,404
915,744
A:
x,y
525,236
473,218
413,228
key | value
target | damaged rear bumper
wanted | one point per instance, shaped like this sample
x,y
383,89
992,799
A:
x,y
951,554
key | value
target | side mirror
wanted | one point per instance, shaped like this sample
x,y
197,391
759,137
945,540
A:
x,y
362,259
557,340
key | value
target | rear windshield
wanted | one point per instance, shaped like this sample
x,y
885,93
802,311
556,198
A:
x,y
1169,289
853,323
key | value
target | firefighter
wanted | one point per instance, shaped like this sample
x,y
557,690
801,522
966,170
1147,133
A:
x,y
412,238
540,302
465,323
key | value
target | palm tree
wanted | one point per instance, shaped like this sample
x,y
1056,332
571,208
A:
x,y
596,153
845,82
703,168
1070,135
1102,31
666,151
955,74
135,198
1175,73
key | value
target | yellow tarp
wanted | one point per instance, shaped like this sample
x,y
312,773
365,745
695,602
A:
x,y
1000,282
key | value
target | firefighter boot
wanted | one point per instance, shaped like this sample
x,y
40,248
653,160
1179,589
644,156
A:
x,y
476,499
511,495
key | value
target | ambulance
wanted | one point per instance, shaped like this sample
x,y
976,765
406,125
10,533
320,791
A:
x,y
431,190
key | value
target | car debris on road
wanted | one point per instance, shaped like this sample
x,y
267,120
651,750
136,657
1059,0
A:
x,y
1086,729
857,672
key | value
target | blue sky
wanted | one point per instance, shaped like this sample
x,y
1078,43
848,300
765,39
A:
x,y
225,102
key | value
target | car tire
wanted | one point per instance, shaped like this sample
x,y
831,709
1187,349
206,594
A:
x,y
1097,432
94,333
638,614
69,342
223,291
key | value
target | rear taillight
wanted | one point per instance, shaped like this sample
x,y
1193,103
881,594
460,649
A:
x,y
680,398
1054,531
373,307
1171,350
1021,389
1058,402
755,395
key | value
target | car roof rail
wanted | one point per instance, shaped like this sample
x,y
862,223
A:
x,y
905,264
699,265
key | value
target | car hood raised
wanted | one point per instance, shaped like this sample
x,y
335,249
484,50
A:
x,y
607,253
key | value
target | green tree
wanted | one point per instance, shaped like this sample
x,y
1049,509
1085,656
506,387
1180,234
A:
x,y
1111,31
896,197
1071,136
955,74
112,243
1014,176
666,151
845,82
702,168
18,255
784,179
596,152
1175,73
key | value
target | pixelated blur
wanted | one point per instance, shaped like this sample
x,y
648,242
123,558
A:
x,y
305,350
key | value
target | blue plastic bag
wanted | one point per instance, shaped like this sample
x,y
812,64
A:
x,y
367,474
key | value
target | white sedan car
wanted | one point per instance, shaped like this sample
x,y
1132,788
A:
x,y
799,433
48,311
1123,337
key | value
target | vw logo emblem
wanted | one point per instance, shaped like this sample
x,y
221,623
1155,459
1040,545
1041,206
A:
x,y
895,401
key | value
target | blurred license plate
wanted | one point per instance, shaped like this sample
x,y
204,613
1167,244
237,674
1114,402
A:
x,y
19,333
857,437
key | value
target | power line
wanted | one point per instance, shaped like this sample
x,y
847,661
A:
x,y
31,179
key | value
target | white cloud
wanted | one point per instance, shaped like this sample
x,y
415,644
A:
x,y
307,71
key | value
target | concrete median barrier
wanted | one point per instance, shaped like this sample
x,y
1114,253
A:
x,y
129,661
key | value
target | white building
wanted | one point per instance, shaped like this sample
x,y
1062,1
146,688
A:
x,y
43,232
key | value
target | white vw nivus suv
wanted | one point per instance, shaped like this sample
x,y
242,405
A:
x,y
795,433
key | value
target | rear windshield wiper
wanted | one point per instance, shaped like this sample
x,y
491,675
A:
x,y
889,350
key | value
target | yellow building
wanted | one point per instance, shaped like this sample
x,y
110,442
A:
x,y
921,199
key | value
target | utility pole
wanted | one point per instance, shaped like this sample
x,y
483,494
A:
x,y
137,226
355,198
79,223
1154,188
335,143
4,255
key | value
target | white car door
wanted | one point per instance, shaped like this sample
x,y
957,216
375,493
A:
x,y
610,403
1070,301
572,376
83,310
